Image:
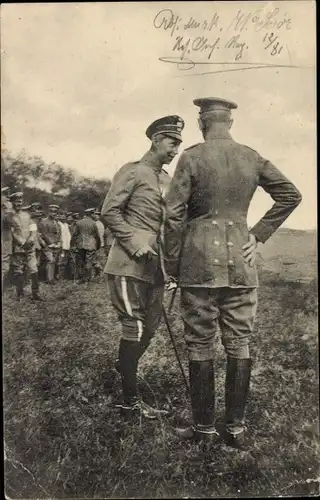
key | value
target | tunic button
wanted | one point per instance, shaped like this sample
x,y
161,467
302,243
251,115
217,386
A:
x,y
230,262
230,223
216,242
216,261
230,244
214,222
216,212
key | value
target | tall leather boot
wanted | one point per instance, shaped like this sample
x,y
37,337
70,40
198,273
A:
x,y
50,272
129,354
236,393
35,287
89,274
128,365
57,272
202,393
19,283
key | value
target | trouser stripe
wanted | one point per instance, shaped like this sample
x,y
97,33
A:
x,y
124,290
140,328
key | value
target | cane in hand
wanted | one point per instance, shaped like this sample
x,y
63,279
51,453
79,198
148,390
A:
x,y
173,296
166,320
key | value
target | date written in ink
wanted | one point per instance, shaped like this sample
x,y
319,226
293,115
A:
x,y
272,44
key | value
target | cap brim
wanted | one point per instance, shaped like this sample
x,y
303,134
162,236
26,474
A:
x,y
209,101
174,135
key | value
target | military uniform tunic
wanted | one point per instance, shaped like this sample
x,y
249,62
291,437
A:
x,y
206,228
87,240
133,211
23,230
215,181
6,235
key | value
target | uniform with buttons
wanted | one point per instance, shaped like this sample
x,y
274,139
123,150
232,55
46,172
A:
x,y
206,228
133,211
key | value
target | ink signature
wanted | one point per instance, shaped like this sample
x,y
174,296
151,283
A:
x,y
228,38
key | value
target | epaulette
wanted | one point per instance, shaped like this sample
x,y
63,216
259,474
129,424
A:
x,y
194,145
247,147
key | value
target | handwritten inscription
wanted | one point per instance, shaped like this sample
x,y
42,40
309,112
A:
x,y
260,21
185,46
197,41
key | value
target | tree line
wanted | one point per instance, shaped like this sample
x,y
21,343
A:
x,y
51,183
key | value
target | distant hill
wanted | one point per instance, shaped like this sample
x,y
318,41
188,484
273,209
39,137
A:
x,y
290,253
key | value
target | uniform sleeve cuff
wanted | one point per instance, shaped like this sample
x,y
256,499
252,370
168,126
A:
x,y
262,232
133,244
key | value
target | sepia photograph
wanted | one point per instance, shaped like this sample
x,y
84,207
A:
x,y
159,250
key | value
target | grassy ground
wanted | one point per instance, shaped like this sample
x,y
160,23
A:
x,y
64,439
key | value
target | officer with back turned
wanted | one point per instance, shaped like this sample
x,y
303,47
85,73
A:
x,y
211,251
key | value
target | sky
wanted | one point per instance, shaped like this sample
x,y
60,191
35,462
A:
x,y
80,83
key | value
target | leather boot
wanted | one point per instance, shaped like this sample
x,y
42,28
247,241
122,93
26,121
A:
x,y
50,272
236,393
128,365
35,287
202,393
19,283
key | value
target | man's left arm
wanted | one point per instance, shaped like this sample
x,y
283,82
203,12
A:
x,y
286,198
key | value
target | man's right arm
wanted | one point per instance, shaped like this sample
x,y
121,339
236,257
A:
x,y
16,233
122,187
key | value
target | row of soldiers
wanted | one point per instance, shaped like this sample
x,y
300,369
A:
x,y
55,245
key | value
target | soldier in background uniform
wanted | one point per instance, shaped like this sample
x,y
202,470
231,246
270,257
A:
x,y
65,245
36,215
51,233
72,264
100,254
133,211
213,256
87,239
24,234
6,236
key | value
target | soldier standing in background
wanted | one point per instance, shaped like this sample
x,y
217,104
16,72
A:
x,y
65,245
6,236
87,239
213,256
24,234
51,233
72,266
100,254
36,215
133,211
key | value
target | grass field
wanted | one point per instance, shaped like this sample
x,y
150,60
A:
x,y
65,439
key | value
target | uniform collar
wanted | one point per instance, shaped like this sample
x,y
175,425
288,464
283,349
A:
x,y
218,134
150,159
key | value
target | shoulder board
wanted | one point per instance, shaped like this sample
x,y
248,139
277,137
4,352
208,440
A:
x,y
194,146
130,163
247,147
